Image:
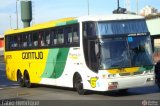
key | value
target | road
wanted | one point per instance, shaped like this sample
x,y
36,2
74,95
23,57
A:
x,y
11,90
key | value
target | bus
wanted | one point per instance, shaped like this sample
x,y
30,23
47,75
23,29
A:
x,y
96,53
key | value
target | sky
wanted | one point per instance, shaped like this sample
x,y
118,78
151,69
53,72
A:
x,y
47,10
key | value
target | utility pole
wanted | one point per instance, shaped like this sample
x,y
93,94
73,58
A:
x,y
17,13
137,7
10,21
118,4
88,7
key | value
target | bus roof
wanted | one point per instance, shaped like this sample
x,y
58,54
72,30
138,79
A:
x,y
72,20
45,25
110,17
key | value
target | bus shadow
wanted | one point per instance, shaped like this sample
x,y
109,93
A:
x,y
53,87
131,92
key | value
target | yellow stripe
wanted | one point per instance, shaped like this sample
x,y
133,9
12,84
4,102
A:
x,y
123,70
39,26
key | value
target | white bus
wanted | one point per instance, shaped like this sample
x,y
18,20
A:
x,y
99,53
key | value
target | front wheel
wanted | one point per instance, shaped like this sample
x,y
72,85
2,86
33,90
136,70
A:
x,y
78,85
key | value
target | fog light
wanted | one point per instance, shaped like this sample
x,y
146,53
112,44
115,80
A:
x,y
112,85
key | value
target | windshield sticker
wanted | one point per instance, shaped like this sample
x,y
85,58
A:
x,y
130,39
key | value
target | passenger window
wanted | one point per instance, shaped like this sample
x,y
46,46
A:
x,y
35,39
25,39
89,29
75,34
69,35
54,38
7,42
48,36
70,38
30,40
60,36
41,39
52,34
14,42
19,41
45,40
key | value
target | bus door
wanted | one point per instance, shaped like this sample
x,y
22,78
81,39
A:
x,y
93,54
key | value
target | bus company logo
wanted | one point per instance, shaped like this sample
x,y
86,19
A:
x,y
32,55
74,56
144,103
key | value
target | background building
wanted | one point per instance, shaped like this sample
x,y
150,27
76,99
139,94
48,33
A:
x,y
154,29
147,10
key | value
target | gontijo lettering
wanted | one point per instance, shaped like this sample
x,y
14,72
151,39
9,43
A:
x,y
32,55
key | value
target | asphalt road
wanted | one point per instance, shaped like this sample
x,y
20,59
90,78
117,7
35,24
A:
x,y
10,90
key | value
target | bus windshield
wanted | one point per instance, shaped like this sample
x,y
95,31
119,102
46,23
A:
x,y
125,52
140,51
114,54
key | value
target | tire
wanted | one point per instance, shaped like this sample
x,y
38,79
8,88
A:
x,y
27,82
78,85
20,79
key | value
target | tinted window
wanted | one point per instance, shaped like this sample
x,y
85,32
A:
x,y
75,34
25,39
60,36
63,36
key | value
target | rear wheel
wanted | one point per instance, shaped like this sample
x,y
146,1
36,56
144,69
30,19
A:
x,y
20,79
78,85
27,82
